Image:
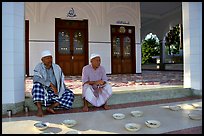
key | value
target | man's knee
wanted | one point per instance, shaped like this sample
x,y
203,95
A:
x,y
37,84
108,86
87,86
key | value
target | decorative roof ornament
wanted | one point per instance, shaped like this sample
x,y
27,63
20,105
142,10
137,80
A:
x,y
71,13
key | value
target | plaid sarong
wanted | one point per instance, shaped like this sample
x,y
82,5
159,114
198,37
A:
x,y
39,95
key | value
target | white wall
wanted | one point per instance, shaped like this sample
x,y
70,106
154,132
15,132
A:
x,y
192,44
104,50
35,49
100,15
41,37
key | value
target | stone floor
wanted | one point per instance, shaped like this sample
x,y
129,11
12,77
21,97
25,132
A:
x,y
100,121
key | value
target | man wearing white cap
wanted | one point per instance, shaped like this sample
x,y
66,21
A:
x,y
95,88
48,86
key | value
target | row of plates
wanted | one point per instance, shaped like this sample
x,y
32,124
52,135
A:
x,y
195,114
136,127
178,107
42,126
133,113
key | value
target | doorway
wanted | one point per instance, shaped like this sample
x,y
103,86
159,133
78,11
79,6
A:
x,y
71,39
123,49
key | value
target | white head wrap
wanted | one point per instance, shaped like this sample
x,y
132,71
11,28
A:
x,y
94,56
46,53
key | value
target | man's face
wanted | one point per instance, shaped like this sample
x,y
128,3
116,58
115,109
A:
x,y
96,62
47,60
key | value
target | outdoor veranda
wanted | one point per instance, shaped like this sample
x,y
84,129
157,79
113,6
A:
x,y
100,121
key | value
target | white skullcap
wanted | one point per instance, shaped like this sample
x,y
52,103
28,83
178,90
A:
x,y
94,55
46,53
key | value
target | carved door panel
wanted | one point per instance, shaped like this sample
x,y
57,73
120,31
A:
x,y
123,50
71,49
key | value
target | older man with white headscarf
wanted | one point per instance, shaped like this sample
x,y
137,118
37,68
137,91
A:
x,y
48,86
95,88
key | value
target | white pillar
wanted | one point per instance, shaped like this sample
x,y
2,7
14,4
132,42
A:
x,y
138,51
192,45
13,56
163,49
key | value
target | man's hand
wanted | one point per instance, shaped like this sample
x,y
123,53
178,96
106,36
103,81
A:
x,y
100,82
53,88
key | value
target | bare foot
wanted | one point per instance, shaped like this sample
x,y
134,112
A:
x,y
50,110
85,109
106,107
39,113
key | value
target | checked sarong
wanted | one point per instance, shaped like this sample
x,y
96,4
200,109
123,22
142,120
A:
x,y
46,96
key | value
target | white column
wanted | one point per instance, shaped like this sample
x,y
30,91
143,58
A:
x,y
138,58
192,45
13,56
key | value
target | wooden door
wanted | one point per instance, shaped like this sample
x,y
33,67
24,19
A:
x,y
122,49
71,45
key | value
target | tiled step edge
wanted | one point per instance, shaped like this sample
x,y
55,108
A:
x,y
131,96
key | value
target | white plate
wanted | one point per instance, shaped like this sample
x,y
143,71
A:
x,y
152,123
195,115
175,107
69,122
132,126
196,105
47,133
136,113
73,132
198,109
41,126
118,116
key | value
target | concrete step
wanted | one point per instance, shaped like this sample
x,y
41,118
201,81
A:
x,y
129,96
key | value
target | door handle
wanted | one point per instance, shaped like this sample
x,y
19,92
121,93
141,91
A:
x,y
72,57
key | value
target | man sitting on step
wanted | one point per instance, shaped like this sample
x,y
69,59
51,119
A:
x,y
95,88
48,86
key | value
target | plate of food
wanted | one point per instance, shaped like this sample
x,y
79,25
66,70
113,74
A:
x,y
73,132
136,113
195,114
175,107
41,126
69,122
196,105
118,116
47,133
132,126
153,123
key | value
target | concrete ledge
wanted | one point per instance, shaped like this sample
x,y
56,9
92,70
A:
x,y
197,92
148,95
16,107
127,96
